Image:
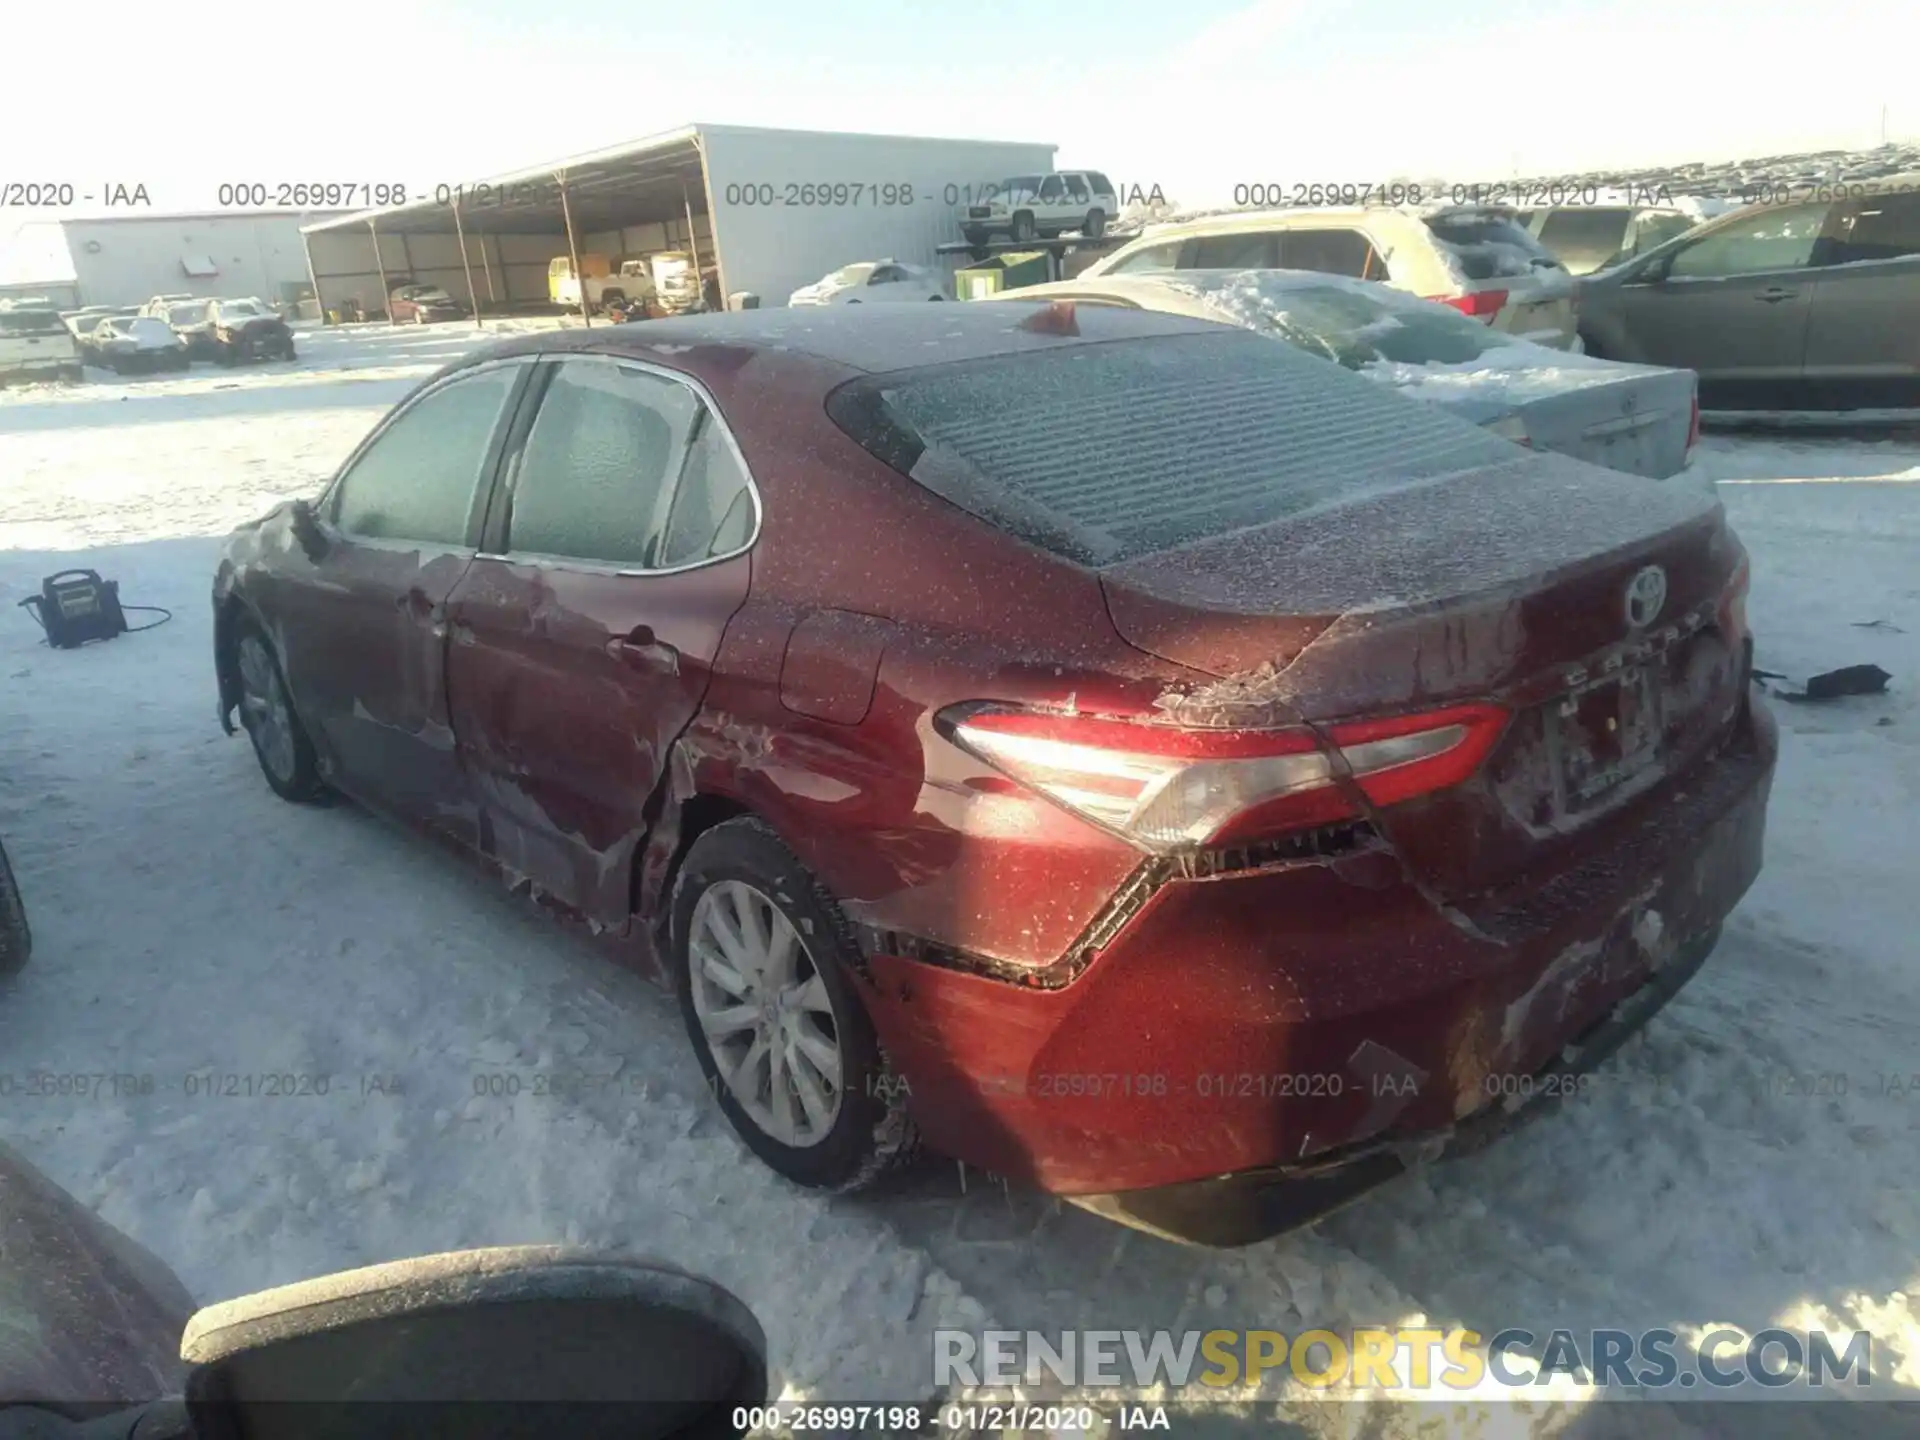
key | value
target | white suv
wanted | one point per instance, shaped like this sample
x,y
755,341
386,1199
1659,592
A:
x,y
1026,207
1477,258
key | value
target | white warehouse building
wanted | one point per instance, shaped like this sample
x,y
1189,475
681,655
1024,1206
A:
x,y
125,259
761,210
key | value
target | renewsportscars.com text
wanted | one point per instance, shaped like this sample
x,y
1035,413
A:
x,y
1405,1358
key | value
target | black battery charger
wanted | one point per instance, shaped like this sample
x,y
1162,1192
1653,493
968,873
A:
x,y
76,606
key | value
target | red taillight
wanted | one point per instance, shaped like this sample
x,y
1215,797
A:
x,y
1693,425
1481,304
1167,789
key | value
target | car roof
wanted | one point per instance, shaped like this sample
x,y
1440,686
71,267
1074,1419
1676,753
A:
x,y
871,339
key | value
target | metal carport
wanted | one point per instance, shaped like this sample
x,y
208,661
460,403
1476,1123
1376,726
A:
x,y
732,195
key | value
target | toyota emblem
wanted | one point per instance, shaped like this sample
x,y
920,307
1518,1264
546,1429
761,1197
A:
x,y
1646,594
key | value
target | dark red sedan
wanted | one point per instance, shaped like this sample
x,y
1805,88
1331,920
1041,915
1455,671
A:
x,y
1135,757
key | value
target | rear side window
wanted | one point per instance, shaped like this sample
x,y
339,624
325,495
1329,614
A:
x,y
1584,239
713,505
1100,453
1490,247
1100,183
1885,228
1332,252
597,469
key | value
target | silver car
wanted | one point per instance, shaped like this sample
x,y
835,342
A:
x,y
1636,418
1809,305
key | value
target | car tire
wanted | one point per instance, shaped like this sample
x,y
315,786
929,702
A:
x,y
1022,228
1095,224
16,937
279,740
856,1132
936,297
1588,347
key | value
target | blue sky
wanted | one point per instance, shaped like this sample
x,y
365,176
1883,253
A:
x,y
1195,95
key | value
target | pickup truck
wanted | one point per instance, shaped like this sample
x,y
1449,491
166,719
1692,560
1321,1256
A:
x,y
605,282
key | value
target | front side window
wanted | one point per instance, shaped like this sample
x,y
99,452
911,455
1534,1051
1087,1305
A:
x,y
1077,189
1051,190
419,477
1778,237
1883,228
597,469
1654,228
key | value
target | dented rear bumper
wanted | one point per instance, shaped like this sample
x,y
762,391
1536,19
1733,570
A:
x,y
1250,1049
1255,1205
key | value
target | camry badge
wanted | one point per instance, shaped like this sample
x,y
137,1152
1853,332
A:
x,y
1646,594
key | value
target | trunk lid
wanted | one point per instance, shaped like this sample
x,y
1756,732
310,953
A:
x,y
1634,418
1507,583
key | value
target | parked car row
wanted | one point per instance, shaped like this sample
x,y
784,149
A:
x,y
228,332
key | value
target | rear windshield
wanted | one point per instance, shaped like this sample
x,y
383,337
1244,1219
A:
x,y
1490,247
1354,324
1103,452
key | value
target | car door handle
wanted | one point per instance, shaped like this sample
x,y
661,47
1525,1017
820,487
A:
x,y
640,649
1774,294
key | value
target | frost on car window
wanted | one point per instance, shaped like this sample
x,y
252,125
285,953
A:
x,y
1355,324
1103,452
597,464
1490,247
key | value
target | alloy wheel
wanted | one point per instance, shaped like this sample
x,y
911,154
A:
x,y
766,1014
263,708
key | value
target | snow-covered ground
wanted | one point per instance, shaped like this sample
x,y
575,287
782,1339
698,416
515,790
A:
x,y
189,923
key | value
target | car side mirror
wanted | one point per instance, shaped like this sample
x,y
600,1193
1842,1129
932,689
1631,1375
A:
x,y
308,529
1654,271
523,1340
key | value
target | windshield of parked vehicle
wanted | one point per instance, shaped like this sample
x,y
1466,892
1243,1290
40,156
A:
x,y
186,314
1355,325
1020,187
1491,246
240,309
854,274
1100,453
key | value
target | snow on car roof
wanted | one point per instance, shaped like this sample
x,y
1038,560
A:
x,y
875,338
